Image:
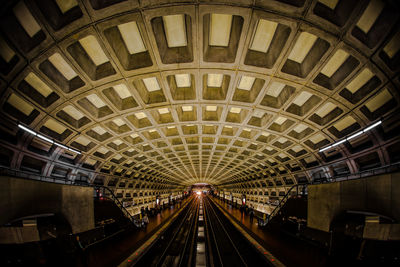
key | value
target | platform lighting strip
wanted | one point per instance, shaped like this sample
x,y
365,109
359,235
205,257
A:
x,y
26,129
351,136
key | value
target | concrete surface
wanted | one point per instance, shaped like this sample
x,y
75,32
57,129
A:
x,y
20,198
378,194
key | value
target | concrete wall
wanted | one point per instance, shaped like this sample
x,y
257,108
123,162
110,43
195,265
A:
x,y
20,198
18,235
379,194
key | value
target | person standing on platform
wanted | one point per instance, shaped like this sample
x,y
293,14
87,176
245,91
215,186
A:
x,y
251,215
145,220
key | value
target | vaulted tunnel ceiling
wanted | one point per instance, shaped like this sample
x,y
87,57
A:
x,y
197,91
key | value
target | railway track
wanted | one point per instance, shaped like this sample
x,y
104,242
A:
x,y
201,224
176,246
226,246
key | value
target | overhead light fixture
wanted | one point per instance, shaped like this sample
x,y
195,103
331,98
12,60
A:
x,y
61,145
73,150
338,143
351,136
354,135
26,129
44,138
326,148
372,126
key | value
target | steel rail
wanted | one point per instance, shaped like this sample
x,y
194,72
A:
x,y
164,254
190,237
210,230
226,234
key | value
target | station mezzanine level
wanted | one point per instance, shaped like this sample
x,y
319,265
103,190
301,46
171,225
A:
x,y
286,109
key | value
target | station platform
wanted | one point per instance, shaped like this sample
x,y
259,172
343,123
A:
x,y
289,250
117,248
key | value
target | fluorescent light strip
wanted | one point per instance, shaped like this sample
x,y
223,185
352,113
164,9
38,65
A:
x,y
372,126
352,136
61,145
47,139
26,129
338,143
73,150
326,148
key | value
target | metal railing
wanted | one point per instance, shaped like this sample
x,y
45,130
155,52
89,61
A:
x,y
108,193
284,199
35,176
363,174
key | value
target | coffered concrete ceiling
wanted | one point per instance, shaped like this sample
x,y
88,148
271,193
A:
x,y
224,92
